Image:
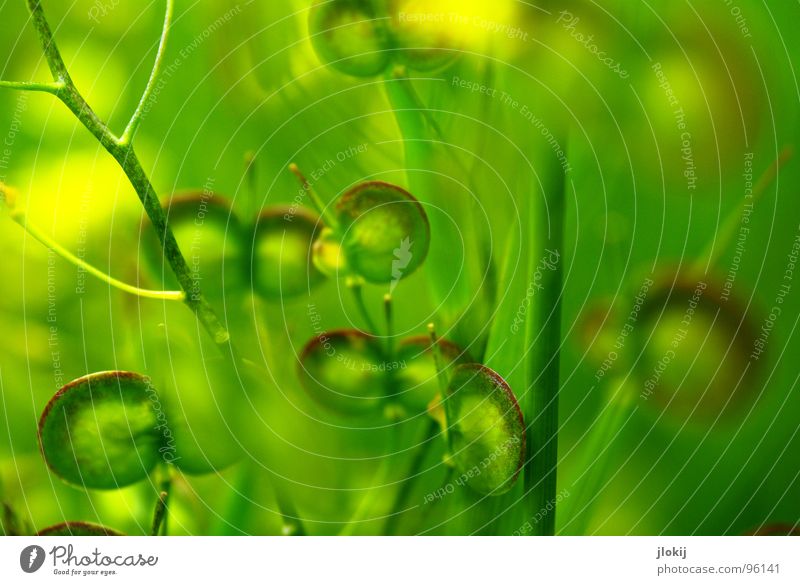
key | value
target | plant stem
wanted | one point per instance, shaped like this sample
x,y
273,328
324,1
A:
x,y
324,210
596,450
136,119
160,514
52,88
414,472
540,473
123,152
389,318
732,223
20,218
438,359
251,206
355,285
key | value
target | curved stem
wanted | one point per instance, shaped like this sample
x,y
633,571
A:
x,y
21,219
324,210
355,286
732,223
136,119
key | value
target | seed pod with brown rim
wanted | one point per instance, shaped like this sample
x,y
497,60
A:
x,y
384,231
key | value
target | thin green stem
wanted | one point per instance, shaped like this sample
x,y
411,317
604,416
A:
x,y
324,210
438,359
52,87
577,508
54,61
20,218
718,244
355,285
414,472
379,479
126,157
388,315
540,473
136,119
160,514
251,173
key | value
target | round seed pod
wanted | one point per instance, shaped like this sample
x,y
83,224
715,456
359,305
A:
x,y
78,529
416,381
423,36
349,36
101,431
486,429
385,231
692,351
282,250
344,371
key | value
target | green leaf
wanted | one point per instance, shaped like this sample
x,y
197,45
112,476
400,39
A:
x,y
485,429
101,431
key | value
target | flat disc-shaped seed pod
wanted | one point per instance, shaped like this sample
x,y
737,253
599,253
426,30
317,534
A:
x,y
425,38
349,36
385,231
210,236
101,431
694,351
78,529
416,380
485,429
345,372
282,250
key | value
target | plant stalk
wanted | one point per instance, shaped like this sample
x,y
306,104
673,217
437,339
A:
x,y
540,473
